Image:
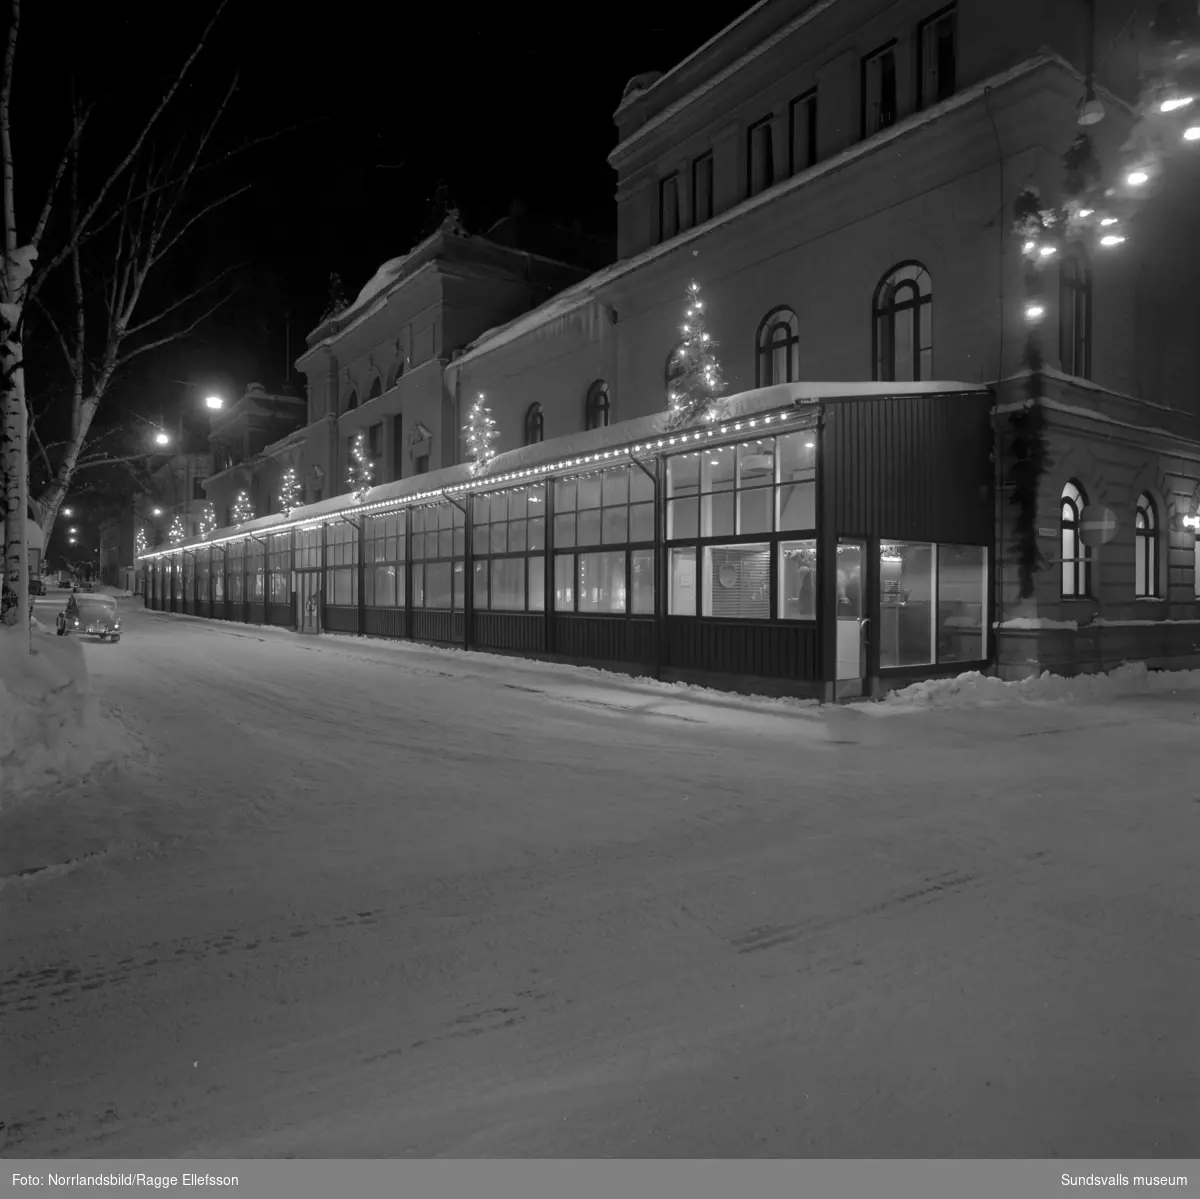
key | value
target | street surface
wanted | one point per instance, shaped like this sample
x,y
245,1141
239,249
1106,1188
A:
x,y
335,898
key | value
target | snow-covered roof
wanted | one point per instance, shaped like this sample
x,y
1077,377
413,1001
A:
x,y
646,434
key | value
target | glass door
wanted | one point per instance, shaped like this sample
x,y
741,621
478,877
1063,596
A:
x,y
310,601
852,623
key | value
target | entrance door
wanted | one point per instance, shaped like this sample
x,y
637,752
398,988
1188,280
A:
x,y
852,624
310,601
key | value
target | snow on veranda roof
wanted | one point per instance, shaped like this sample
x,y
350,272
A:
x,y
580,452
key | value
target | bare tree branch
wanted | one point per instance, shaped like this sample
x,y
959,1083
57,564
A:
x,y
134,330
162,341
41,449
68,150
164,250
105,460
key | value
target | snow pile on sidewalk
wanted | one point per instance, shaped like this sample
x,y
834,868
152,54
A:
x,y
49,720
977,690
117,592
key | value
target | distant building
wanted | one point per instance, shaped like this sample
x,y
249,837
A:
x,y
118,550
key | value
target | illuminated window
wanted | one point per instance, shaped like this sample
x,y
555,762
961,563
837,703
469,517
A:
x,y
1076,557
1145,538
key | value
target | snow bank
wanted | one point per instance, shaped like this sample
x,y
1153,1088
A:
x,y
118,592
49,720
978,690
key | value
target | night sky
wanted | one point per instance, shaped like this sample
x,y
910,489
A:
x,y
502,103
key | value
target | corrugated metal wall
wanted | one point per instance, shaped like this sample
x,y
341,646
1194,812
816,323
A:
x,y
913,468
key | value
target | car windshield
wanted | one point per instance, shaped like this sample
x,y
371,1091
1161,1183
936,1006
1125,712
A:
x,y
97,605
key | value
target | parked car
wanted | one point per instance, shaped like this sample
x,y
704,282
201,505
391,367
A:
x,y
64,579
91,616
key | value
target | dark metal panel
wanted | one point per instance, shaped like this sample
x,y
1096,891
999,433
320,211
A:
x,y
256,613
732,647
604,638
434,625
340,620
386,622
518,631
202,608
280,614
911,467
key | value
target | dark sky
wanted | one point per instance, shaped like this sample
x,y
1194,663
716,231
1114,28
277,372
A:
x,y
503,103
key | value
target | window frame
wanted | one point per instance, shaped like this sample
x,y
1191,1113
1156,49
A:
x,y
1146,527
883,318
597,406
525,554
924,27
702,160
1079,562
420,562
535,424
668,185
885,52
764,125
807,100
1075,302
376,532
766,346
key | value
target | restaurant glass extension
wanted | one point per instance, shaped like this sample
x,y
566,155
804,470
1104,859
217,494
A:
x,y
821,540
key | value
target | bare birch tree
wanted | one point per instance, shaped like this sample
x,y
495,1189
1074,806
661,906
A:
x,y
129,220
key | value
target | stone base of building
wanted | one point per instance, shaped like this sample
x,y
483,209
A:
x,y
1094,649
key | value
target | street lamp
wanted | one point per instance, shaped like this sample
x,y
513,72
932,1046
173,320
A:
x,y
156,511
214,402
68,512
162,438
72,531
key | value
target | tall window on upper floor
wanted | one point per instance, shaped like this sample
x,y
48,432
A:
x,y
902,315
879,89
778,358
1075,315
352,399
668,207
802,132
1145,548
535,424
937,55
760,157
596,406
1076,557
376,389
702,189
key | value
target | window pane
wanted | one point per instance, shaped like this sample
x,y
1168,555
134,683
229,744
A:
x,y
564,495
737,580
516,504
602,582
797,454
516,537
460,576
381,591
499,538
756,462
508,584
754,510
905,604
564,582
537,584
589,526
641,522
717,469
682,599
445,544
716,513
460,541
682,518
564,530
798,506
641,486
683,475
418,587
437,585
962,603
798,580
480,582
536,533
479,539
615,488
589,491
642,583
614,526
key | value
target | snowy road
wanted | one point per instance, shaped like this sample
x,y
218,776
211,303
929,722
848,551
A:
x,y
340,899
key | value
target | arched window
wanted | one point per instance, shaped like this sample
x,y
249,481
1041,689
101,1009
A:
x,y
1145,548
596,406
778,348
352,399
902,325
1075,315
1076,557
535,424
376,388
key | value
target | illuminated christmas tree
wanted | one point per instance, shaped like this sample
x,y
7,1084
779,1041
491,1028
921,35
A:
x,y
290,495
481,432
243,509
177,532
695,373
360,471
140,542
208,521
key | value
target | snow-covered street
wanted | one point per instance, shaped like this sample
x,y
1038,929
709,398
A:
x,y
343,898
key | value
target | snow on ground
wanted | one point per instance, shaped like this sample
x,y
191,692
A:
x,y
365,899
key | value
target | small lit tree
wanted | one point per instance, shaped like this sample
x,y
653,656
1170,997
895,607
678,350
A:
x,y
360,470
290,497
695,373
481,432
208,521
140,544
177,531
243,509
